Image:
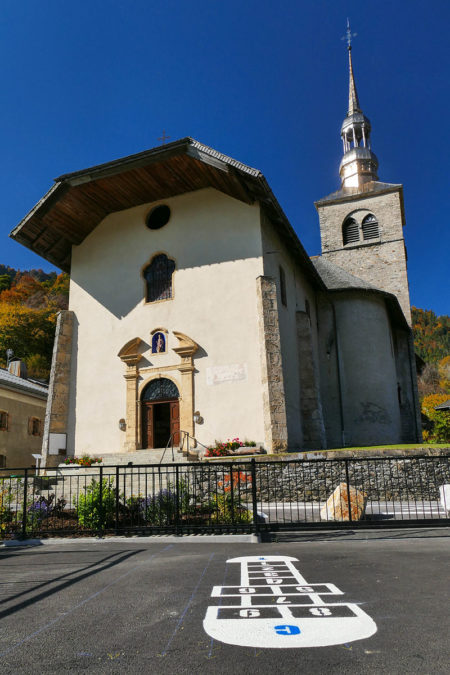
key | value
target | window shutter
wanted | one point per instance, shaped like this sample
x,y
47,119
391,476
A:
x,y
350,231
370,227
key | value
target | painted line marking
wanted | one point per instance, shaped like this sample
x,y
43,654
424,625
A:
x,y
282,609
180,620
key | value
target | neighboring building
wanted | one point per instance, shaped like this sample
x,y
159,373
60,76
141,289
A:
x,y
192,297
22,413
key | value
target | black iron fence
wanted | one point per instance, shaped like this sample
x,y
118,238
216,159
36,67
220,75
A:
x,y
244,496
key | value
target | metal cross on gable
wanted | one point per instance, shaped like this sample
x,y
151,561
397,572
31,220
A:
x,y
348,35
163,138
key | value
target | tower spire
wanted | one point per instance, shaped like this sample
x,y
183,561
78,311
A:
x,y
353,102
359,164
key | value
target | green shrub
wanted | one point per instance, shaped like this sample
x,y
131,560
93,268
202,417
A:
x,y
93,513
222,511
6,514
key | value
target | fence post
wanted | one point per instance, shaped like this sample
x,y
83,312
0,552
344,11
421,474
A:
x,y
101,503
117,500
24,510
254,500
177,500
347,478
232,493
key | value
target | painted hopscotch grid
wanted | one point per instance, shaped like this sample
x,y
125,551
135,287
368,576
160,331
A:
x,y
274,606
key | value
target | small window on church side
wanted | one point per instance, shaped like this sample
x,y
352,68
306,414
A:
x,y
3,420
34,426
158,277
283,287
350,231
370,227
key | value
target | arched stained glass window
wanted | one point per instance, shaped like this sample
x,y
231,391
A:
x,y
158,276
370,227
350,231
161,389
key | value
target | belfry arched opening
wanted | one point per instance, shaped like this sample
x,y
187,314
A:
x,y
160,413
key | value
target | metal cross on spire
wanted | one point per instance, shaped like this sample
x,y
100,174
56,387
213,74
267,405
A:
x,y
349,35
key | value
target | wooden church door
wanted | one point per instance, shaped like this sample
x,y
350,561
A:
x,y
147,426
151,431
175,421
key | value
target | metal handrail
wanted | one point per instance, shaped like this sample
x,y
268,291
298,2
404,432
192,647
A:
x,y
185,435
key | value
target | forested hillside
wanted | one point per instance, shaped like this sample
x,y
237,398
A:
x,y
29,302
432,343
431,334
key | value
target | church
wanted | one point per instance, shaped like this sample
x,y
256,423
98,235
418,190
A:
x,y
194,308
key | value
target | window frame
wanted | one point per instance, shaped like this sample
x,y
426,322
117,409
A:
x,y
4,420
172,280
34,426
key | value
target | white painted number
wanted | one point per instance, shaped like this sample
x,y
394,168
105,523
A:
x,y
320,611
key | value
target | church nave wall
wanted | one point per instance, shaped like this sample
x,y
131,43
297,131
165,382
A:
x,y
215,241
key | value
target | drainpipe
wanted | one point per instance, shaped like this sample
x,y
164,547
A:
x,y
339,375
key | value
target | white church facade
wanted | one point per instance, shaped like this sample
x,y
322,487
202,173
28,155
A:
x,y
194,307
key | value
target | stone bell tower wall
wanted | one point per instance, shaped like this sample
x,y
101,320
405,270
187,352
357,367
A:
x,y
380,261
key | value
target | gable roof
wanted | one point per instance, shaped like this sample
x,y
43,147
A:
x,y
78,201
11,381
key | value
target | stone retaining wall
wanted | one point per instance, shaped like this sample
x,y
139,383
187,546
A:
x,y
385,476
384,480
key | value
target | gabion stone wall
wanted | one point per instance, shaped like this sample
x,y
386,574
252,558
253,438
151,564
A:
x,y
416,478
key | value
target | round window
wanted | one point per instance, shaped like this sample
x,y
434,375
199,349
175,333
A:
x,y
158,217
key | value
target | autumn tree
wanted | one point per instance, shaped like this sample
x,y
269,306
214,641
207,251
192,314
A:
x,y
431,334
28,307
5,282
437,421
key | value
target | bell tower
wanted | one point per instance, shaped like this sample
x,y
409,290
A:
x,y
361,225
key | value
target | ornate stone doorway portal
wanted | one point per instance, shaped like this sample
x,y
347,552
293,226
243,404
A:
x,y
138,413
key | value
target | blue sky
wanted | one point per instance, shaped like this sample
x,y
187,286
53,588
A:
x,y
264,81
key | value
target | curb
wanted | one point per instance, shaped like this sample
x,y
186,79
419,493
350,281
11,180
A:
x,y
183,539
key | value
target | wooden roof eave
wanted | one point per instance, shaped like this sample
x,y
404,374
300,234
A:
x,y
208,167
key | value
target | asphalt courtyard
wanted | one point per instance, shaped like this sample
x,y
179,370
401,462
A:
x,y
377,602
